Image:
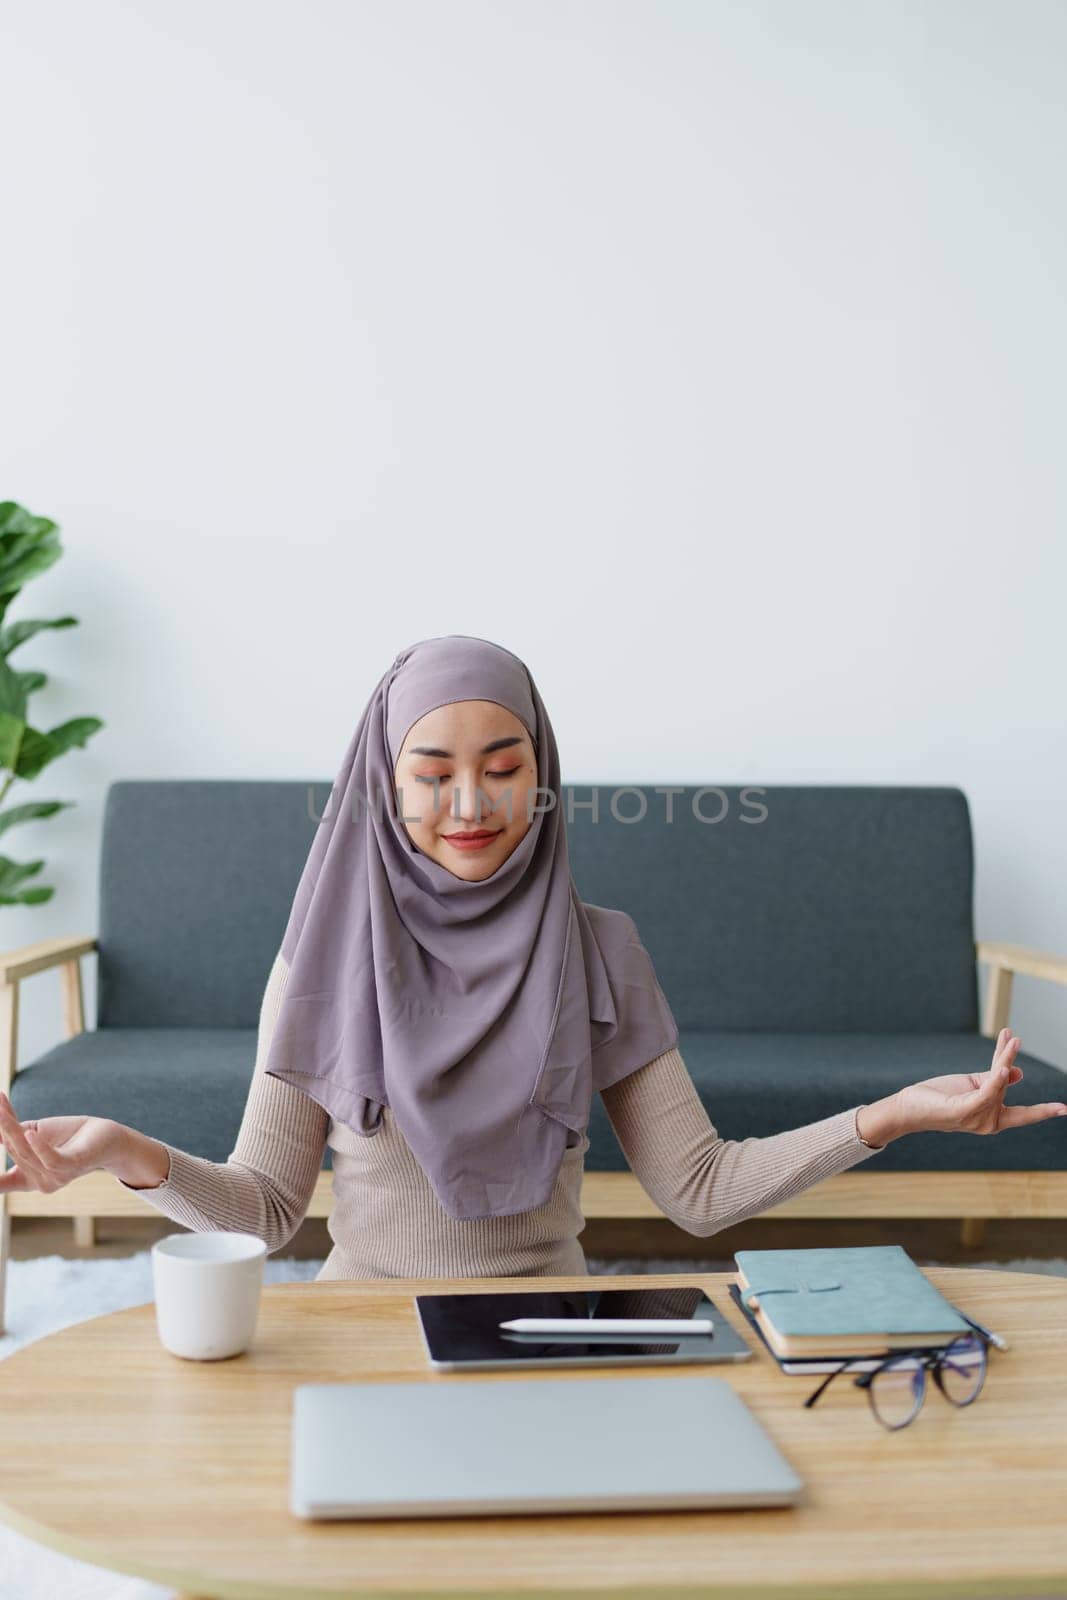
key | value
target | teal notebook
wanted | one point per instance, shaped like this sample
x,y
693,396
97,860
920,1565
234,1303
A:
x,y
873,1290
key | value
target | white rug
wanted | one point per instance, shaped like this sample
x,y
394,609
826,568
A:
x,y
53,1292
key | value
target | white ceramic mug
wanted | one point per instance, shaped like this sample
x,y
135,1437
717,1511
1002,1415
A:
x,y
207,1288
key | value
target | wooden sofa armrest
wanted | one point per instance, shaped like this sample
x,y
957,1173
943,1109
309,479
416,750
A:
x,y
1004,961
65,953
45,953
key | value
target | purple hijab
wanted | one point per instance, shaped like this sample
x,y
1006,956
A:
x,y
484,1014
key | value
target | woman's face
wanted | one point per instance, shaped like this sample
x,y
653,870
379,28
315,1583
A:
x,y
450,755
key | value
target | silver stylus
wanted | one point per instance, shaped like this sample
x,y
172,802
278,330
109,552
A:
x,y
609,1325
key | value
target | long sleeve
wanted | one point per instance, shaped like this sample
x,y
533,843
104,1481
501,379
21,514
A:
x,y
265,1186
703,1182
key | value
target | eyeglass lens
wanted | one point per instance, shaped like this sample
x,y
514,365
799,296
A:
x,y
963,1369
897,1389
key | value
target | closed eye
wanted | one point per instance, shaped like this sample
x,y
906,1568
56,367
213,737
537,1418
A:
x,y
440,777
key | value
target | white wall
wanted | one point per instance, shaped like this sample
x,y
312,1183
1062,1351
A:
x,y
709,355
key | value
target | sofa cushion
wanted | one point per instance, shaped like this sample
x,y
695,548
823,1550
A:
x,y
186,1086
197,878
755,1084
807,909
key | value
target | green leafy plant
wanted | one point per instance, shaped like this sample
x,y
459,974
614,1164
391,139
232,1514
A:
x,y
28,545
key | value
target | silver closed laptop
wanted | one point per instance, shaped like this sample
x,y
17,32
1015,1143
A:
x,y
462,1447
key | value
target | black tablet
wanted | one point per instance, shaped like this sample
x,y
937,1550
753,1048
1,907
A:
x,y
462,1332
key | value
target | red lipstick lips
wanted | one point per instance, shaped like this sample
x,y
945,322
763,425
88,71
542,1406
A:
x,y
471,841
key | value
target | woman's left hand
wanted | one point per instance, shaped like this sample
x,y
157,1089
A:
x,y
973,1102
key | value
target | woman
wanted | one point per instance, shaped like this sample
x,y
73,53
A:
x,y
441,1011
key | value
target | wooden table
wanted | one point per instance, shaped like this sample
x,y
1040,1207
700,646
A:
x,y
116,1452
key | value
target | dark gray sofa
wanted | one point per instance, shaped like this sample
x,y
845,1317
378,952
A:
x,y
816,945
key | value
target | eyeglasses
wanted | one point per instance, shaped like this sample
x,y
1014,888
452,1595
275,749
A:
x,y
896,1388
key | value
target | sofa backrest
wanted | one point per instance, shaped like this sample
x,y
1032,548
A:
x,y
806,909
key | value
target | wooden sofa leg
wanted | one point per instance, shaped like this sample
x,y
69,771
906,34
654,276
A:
x,y
85,1232
972,1232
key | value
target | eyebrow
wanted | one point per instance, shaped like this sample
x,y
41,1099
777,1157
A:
x,y
497,744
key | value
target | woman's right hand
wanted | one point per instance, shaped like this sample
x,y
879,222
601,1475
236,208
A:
x,y
52,1151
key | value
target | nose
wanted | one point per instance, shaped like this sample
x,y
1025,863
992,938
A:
x,y
469,804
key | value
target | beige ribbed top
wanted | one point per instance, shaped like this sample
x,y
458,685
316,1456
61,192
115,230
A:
x,y
386,1220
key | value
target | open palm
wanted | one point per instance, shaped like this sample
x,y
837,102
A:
x,y
51,1151
973,1102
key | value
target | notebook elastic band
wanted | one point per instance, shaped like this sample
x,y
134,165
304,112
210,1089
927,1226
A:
x,y
785,1288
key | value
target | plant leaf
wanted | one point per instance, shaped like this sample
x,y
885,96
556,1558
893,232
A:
x,y
27,897
16,519
38,749
12,873
29,681
12,732
28,545
16,633
12,694
31,811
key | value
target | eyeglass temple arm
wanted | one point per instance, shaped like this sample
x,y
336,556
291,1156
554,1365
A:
x,y
830,1376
